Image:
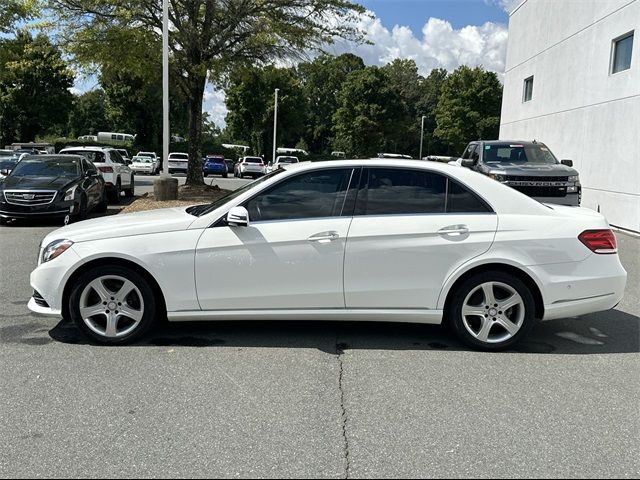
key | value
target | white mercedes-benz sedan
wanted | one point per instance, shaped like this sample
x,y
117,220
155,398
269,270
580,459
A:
x,y
373,240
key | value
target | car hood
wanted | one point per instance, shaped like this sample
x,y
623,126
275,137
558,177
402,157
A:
x,y
533,170
37,183
139,223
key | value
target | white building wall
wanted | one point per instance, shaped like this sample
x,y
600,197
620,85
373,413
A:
x,y
579,109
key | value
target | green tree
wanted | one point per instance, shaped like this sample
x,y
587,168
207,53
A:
x,y
427,104
250,101
468,108
88,115
34,88
322,80
367,109
405,81
14,11
208,38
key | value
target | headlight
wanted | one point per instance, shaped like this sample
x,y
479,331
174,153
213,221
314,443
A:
x,y
55,249
574,178
498,177
69,194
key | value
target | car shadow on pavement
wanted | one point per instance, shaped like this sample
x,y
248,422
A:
x,y
604,333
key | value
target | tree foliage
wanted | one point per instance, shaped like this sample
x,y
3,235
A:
x,y
34,88
469,107
208,38
88,114
14,11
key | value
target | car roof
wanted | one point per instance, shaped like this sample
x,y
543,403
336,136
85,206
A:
x,y
510,142
88,149
53,156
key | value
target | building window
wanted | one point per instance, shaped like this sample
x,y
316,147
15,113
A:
x,y
621,53
527,95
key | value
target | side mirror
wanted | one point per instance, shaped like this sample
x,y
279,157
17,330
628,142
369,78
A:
x,y
467,162
5,172
568,163
92,173
238,217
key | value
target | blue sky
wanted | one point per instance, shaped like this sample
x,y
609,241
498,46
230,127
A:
x,y
414,13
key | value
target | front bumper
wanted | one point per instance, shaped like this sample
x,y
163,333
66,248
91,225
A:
x,y
51,210
571,200
49,279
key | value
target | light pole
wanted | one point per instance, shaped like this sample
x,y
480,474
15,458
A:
x,y
421,137
165,87
275,126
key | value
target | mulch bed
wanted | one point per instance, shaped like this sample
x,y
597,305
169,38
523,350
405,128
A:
x,y
187,195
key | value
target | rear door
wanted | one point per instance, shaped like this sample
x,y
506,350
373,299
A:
x,y
411,229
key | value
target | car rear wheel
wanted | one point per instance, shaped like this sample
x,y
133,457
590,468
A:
x,y
112,305
492,311
114,194
129,192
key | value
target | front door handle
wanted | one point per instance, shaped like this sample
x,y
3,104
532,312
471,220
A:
x,y
324,237
454,230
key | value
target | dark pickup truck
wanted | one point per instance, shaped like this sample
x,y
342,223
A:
x,y
529,167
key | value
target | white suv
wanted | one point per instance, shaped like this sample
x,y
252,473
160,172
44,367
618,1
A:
x,y
249,166
178,162
117,175
281,161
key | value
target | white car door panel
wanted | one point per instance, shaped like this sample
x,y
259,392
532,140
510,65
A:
x,y
269,265
402,261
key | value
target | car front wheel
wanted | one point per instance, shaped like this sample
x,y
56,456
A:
x,y
492,311
112,305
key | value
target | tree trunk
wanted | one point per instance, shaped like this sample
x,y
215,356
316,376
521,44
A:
x,y
194,172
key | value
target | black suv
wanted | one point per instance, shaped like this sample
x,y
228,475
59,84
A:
x,y
529,167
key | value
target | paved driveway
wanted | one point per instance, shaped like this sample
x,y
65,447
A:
x,y
305,399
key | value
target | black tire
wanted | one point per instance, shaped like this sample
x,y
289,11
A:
x,y
149,299
102,206
225,175
115,193
129,192
456,321
4,221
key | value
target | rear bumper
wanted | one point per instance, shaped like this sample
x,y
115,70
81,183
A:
x,y
579,288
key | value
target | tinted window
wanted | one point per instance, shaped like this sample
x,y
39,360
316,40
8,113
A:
x,y
467,152
94,157
308,195
461,200
396,191
253,160
58,167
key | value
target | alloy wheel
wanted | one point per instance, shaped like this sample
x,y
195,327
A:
x,y
493,312
111,306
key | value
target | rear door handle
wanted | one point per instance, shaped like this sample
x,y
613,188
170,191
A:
x,y
454,230
324,237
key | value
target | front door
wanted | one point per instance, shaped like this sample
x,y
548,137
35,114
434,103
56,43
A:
x,y
290,256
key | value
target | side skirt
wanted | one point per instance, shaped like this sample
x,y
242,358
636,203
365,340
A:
x,y
432,317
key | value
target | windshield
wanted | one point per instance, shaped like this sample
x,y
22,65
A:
x,y
199,210
8,163
56,167
517,153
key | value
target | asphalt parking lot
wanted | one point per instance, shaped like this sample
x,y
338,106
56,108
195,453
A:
x,y
307,399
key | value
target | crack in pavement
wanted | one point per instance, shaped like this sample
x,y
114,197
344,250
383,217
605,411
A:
x,y
340,347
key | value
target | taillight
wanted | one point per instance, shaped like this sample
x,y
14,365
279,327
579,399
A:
x,y
599,241
106,169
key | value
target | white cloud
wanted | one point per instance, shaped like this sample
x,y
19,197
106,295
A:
x,y
439,45
214,105
507,5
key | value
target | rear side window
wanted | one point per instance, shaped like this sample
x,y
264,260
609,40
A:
x,y
116,157
396,191
461,200
309,195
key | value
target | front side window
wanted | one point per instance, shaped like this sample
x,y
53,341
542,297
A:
x,y
467,153
622,53
315,194
395,191
528,90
